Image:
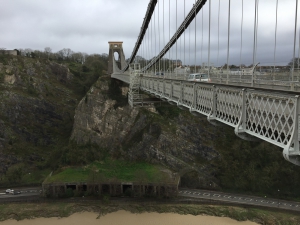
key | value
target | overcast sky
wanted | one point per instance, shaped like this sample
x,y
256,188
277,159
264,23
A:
x,y
87,26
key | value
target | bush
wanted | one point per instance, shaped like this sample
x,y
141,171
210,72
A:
x,y
106,199
85,69
14,174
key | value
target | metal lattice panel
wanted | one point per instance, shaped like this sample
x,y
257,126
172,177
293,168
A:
x,y
176,90
204,99
168,89
271,117
160,87
229,103
188,94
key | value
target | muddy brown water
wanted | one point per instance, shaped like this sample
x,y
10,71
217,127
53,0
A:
x,y
126,218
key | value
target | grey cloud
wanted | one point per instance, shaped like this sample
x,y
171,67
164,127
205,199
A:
x,y
87,26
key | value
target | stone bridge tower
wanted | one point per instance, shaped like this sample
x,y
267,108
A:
x,y
115,46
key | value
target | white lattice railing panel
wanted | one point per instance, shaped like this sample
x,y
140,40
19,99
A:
x,y
271,116
168,89
176,90
229,104
204,99
188,94
160,87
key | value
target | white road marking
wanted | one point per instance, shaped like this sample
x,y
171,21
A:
x,y
227,196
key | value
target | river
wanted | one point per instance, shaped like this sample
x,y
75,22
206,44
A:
x,y
126,218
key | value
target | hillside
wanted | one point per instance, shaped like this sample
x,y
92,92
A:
x,y
37,102
54,116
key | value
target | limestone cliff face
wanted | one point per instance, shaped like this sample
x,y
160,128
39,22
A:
x,y
98,121
36,106
180,142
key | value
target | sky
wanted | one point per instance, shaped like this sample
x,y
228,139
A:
x,y
87,26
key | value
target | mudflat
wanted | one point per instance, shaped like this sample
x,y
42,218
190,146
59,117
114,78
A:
x,y
126,218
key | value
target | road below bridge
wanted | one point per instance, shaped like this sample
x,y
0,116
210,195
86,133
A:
x,y
193,194
239,199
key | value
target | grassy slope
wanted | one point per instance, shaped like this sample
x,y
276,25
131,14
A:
x,y
110,170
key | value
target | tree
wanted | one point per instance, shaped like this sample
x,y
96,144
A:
x,y
65,53
27,52
14,174
296,63
48,51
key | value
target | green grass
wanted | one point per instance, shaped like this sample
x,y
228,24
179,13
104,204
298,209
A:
x,y
36,176
111,170
29,177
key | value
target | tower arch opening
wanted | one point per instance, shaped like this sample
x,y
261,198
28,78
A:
x,y
115,54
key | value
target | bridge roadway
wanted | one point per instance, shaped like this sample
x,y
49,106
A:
x,y
193,194
270,115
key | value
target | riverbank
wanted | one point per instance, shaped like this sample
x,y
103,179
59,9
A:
x,y
9,213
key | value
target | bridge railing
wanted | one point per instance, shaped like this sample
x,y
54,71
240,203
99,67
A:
x,y
270,116
278,81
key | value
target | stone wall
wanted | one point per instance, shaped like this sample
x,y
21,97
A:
x,y
132,189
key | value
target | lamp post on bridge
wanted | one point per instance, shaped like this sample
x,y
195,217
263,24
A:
x,y
253,74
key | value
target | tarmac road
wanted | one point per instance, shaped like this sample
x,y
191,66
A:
x,y
24,192
240,199
28,192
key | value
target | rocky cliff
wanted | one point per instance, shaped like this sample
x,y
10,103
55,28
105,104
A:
x,y
163,134
37,102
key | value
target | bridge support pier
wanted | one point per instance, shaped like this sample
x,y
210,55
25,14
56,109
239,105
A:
x,y
291,151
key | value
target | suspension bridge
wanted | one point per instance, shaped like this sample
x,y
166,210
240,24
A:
x,y
177,38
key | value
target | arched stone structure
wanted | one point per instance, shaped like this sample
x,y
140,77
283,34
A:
x,y
115,46
187,170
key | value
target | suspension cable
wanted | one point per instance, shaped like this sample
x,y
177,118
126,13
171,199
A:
x,y
169,37
151,46
228,39
241,49
254,44
256,41
164,61
275,36
184,37
218,33
195,34
176,38
202,41
155,66
296,15
209,23
159,62
190,45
